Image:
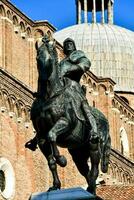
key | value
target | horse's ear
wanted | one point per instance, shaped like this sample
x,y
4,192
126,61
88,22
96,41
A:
x,y
54,42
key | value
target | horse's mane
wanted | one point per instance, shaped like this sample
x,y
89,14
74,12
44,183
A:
x,y
53,53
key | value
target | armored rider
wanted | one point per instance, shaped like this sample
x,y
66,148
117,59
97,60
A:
x,y
73,67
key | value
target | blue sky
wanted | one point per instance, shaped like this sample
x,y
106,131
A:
x,y
61,13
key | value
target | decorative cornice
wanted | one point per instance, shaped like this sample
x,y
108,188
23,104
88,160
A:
x,y
44,23
60,47
26,18
99,80
124,104
116,155
124,92
15,87
17,11
116,97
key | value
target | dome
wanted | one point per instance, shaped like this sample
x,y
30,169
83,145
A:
x,y
110,49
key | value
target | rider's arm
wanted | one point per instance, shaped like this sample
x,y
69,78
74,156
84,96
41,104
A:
x,y
84,64
80,67
68,68
79,58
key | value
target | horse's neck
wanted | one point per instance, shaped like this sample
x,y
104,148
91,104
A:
x,y
54,84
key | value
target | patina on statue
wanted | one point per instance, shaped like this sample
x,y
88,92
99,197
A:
x,y
61,115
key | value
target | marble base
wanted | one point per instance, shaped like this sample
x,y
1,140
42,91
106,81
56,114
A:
x,y
63,194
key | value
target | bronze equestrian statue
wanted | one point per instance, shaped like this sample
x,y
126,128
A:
x,y
61,115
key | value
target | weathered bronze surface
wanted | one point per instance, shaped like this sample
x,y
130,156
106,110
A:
x,y
61,114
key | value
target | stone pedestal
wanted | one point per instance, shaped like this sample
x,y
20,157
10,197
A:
x,y
65,194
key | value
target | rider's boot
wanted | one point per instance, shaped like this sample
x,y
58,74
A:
x,y
94,137
32,144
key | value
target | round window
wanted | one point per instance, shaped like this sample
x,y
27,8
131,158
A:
x,y
7,179
2,181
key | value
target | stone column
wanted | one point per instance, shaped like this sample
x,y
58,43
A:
x,y
79,12
31,46
85,12
1,46
8,44
76,2
102,14
110,12
2,42
94,12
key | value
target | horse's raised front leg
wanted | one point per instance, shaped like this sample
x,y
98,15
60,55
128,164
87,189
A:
x,y
46,150
94,172
60,127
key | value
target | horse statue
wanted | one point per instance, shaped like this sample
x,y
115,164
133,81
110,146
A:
x,y
56,123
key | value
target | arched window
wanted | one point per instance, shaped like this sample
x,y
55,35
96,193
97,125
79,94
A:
x,y
93,103
15,21
2,11
49,34
2,181
9,14
7,179
38,33
28,31
125,99
22,27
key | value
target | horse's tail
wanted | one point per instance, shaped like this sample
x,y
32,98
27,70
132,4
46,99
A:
x,y
105,151
105,140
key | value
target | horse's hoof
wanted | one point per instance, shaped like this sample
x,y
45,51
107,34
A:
x,y
92,191
61,160
52,189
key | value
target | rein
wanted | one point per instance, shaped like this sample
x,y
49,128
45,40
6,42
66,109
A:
x,y
58,93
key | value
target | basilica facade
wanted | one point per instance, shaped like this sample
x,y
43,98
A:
x,y
110,88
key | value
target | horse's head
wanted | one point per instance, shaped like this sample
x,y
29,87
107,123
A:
x,y
45,57
47,63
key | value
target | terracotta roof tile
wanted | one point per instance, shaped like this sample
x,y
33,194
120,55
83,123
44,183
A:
x,y
116,192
